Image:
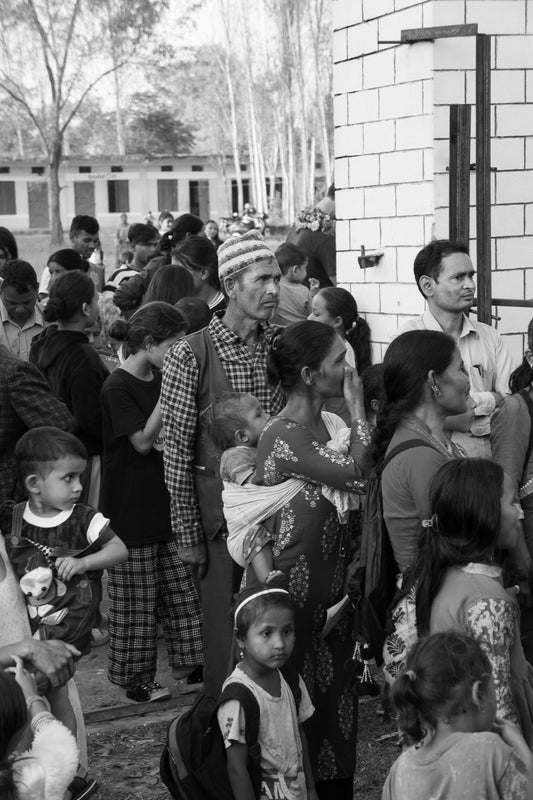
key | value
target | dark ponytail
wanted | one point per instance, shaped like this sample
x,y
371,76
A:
x,y
68,293
464,498
341,303
158,320
406,366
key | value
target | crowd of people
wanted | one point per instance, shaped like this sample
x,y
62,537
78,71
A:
x,y
219,473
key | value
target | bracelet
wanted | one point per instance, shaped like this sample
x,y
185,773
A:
x,y
37,698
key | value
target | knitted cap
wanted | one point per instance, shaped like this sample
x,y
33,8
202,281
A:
x,y
239,253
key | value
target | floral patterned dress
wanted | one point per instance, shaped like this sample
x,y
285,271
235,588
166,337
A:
x,y
310,546
473,600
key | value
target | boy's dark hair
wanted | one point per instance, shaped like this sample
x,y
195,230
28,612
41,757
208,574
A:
x,y
197,312
20,275
139,233
223,417
38,449
429,260
83,222
437,683
278,597
289,255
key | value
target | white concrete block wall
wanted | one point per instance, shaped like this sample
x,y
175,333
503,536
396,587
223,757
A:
x,y
392,124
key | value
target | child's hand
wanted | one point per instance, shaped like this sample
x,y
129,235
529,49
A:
x,y
67,567
511,735
25,680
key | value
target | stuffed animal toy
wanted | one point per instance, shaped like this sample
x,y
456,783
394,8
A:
x,y
41,589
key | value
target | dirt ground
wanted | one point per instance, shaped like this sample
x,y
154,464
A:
x,y
124,752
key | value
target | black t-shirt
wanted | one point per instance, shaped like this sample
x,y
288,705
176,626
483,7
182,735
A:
x,y
134,495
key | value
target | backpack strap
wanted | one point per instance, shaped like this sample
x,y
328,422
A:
x,y
409,445
292,677
250,706
17,518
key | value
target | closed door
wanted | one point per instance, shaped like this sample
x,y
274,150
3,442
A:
x,y
84,198
167,195
38,206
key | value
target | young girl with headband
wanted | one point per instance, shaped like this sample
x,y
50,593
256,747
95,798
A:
x,y
337,307
264,630
446,707
459,585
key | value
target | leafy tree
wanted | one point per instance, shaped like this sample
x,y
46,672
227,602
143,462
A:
x,y
153,129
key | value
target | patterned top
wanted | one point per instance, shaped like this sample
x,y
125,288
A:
x,y
246,372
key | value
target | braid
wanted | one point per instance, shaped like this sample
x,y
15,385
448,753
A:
x,y
387,421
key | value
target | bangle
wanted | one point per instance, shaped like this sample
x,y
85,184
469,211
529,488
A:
x,y
37,698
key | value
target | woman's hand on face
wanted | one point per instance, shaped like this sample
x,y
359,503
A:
x,y
25,680
353,393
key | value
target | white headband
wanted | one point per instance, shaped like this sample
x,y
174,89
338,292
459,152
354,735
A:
x,y
252,597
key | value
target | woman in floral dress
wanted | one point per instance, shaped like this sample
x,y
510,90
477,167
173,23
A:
x,y
309,542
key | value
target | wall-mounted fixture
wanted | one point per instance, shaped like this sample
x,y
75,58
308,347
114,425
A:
x,y
370,258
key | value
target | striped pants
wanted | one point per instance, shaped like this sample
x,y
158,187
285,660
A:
x,y
152,585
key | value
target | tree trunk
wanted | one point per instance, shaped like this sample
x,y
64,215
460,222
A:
x,y
56,228
311,167
119,121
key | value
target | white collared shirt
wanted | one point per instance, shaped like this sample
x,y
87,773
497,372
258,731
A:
x,y
486,359
17,339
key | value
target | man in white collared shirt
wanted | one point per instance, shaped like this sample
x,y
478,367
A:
x,y
445,276
20,316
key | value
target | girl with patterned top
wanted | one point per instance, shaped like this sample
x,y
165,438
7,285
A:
x,y
264,630
459,586
446,707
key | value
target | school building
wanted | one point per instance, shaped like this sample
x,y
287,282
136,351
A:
x,y
108,187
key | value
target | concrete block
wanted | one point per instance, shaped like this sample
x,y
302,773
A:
x,y
427,97
508,283
348,140
380,201
405,259
403,166
507,220
364,171
366,296
404,100
342,173
515,252
382,326
347,266
456,53
385,272
377,8
529,86
349,203
348,76
442,223
528,227
449,87
514,52
514,187
497,16
429,165
391,26
342,235
516,344
378,137
529,152
401,298
414,62
528,276
441,122
345,13
363,106
514,119
441,155
449,12
508,153
513,320
402,231
362,39
414,132
507,86
340,45
378,69
429,227
414,198
399,4
340,109
442,190
365,232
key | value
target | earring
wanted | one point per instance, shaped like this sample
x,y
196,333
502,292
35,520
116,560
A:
x,y
435,389
241,654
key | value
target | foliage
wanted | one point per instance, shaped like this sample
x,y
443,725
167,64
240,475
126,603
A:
x,y
153,129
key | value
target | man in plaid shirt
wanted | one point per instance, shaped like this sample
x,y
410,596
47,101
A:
x,y
230,354
26,401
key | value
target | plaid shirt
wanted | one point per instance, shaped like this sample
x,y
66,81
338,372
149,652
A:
x,y
26,401
246,372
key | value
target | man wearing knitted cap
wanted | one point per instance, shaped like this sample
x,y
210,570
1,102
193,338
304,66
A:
x,y
230,354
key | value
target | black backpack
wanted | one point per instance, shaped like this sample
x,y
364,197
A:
x,y
377,569
193,761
